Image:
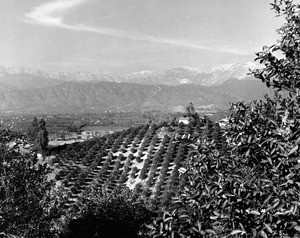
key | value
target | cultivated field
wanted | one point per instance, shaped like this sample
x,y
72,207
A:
x,y
147,159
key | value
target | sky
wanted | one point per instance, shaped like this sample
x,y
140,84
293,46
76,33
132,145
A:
x,y
123,36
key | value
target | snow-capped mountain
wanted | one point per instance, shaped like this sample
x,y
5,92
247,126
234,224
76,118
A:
x,y
143,74
77,76
149,76
172,77
222,73
219,68
14,70
189,75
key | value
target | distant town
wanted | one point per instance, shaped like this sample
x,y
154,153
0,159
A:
x,y
68,128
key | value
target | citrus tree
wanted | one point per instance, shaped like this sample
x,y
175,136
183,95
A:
x,y
102,214
253,188
25,207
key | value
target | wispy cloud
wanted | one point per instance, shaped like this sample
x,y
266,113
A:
x,y
51,15
45,14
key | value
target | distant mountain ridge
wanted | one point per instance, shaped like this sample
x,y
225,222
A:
x,y
22,78
111,96
24,90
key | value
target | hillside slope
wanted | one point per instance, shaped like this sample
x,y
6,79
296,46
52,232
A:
x,y
146,159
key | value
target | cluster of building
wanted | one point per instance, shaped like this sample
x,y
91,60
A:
x,y
70,128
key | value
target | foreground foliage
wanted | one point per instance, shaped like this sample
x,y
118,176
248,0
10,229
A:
x,y
252,190
24,190
102,214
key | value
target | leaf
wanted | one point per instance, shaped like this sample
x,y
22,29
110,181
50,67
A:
x,y
241,225
293,150
249,139
267,199
270,161
216,213
297,228
281,213
255,213
295,209
184,216
268,228
194,229
199,225
297,141
167,219
237,232
266,180
210,231
206,187
226,201
213,217
247,153
263,234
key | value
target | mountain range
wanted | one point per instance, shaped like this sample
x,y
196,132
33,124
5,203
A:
x,y
24,90
173,77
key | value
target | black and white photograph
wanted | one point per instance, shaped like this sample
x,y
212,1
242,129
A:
x,y
149,118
